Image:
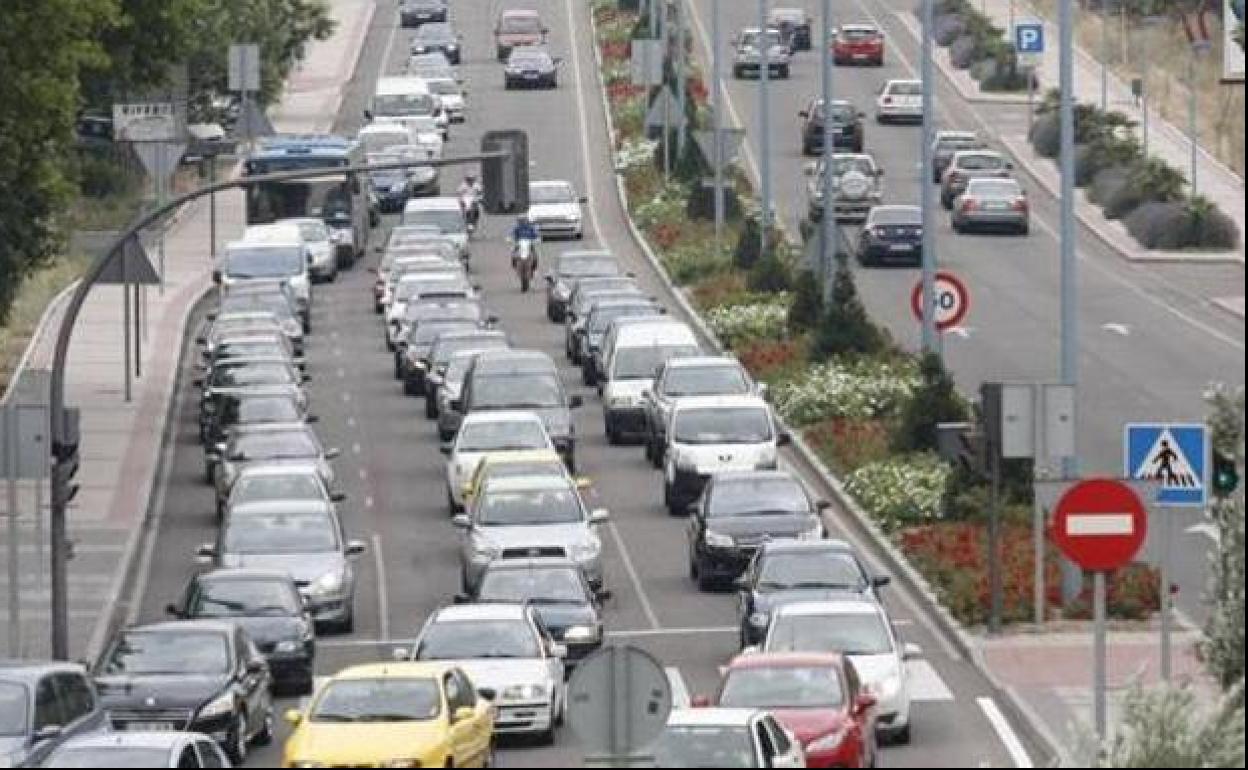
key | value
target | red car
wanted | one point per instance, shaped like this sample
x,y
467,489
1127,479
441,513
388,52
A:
x,y
858,44
816,696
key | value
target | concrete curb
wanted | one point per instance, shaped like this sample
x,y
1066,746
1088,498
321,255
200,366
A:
x,y
966,86
1019,711
1103,228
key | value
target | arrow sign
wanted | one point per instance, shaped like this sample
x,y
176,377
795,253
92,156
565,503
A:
x,y
731,140
664,111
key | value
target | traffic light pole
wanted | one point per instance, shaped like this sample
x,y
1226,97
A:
x,y
63,429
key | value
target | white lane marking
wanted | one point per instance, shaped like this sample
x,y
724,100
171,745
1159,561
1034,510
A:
x,y
582,115
350,422
962,332
346,398
368,502
385,56
1121,329
632,575
652,632
925,684
680,693
356,448
342,373
1006,733
383,597
363,474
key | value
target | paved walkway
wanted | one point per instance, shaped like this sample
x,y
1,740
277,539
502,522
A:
x,y
122,440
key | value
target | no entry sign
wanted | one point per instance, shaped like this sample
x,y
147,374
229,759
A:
x,y
953,301
1100,524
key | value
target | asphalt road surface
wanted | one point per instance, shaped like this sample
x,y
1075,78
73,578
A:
x,y
393,473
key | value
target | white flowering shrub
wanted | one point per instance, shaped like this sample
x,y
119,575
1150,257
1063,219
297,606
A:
x,y
862,388
755,321
635,153
901,491
668,205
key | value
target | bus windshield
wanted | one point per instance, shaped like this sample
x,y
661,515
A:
x,y
327,199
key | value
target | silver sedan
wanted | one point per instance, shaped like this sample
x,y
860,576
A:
x,y
996,204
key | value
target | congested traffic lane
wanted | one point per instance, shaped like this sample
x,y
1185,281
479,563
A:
x,y
1176,340
393,472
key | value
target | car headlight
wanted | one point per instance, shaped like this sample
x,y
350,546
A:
x,y
328,583
717,540
588,549
759,619
219,706
829,742
287,646
306,763
582,634
524,692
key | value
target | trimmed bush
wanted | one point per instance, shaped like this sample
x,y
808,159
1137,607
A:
x,y
1149,180
845,326
962,52
807,303
770,273
694,262
1108,184
935,401
1195,223
948,28
1046,135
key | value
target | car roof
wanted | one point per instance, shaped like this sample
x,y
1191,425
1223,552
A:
x,y
697,362
279,507
284,468
711,717
531,483
427,669
274,427
29,671
849,604
977,151
130,739
791,545
243,573
733,401
483,611
785,660
500,415
432,204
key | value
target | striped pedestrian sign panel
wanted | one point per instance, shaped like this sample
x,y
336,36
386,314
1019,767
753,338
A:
x,y
1175,456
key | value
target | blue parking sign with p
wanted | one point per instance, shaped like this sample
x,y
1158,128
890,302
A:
x,y
1029,38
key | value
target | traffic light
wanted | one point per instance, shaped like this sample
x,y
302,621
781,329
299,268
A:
x,y
65,453
505,180
1225,474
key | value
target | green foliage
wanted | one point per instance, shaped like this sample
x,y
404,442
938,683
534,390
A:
x,y
1222,648
691,262
935,401
807,303
770,274
1194,223
749,244
845,326
1166,726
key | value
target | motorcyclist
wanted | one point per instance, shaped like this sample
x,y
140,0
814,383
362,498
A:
x,y
524,230
470,186
469,195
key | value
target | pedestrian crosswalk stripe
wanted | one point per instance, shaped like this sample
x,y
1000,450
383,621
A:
x,y
1167,463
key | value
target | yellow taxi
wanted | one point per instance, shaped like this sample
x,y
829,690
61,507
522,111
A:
x,y
394,715
529,462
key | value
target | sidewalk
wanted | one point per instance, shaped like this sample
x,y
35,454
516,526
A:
x,y
122,441
1051,673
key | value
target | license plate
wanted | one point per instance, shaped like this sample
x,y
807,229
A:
x,y
860,56
530,76
150,727
900,247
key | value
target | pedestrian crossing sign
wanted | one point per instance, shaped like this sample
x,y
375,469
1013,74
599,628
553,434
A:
x,y
1175,456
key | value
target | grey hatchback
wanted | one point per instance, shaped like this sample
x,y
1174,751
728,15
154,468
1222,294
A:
x,y
42,705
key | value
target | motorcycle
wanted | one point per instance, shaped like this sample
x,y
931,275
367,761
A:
x,y
524,260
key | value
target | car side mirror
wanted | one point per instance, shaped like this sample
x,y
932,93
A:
x,y
462,599
337,496
741,583
879,581
305,378
446,448
293,717
804,114
312,419
461,521
463,713
550,279
257,666
558,651
332,452
865,702
198,382
879,171
489,693
700,701
46,733
599,516
356,548
201,340
911,651
823,505
173,611
205,552
784,438
368,114
216,277
576,402
584,199
604,595
457,405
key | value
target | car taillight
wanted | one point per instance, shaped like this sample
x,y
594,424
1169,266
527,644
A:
x,y
969,205
955,176
878,232
1020,204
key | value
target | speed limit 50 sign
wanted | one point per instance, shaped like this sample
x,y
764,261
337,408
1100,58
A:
x,y
953,301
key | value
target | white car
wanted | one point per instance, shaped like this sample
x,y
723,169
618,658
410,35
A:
x,y
319,241
726,737
443,213
489,432
453,96
858,627
412,287
900,101
556,210
504,648
711,434
631,352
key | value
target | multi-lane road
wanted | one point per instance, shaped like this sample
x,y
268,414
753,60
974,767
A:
x,y
1150,339
393,472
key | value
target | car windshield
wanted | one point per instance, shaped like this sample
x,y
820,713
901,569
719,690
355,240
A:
x,y
416,286
261,409
234,598
639,363
554,585
448,222
849,633
842,112
293,486
552,468
600,318
896,215
588,266
427,331
521,25
445,348
705,746
435,33
538,59
451,311
239,375
530,507
169,652
501,435
403,105
273,303
254,533
251,349
828,569
313,231
906,88
749,38
722,425
475,639
274,446
981,162
109,756
12,709
517,391
551,193
705,381
385,699
753,497
858,34
782,687
995,188
264,263
856,163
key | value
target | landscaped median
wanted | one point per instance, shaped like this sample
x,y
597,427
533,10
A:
x,y
868,409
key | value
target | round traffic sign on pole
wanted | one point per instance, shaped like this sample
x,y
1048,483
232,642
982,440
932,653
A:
x,y
618,701
1100,524
953,301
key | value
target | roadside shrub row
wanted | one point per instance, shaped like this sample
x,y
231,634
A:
x,y
977,45
1148,195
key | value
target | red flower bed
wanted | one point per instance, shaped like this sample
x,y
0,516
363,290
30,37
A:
x,y
616,51
847,445
769,358
1132,593
698,90
622,91
665,236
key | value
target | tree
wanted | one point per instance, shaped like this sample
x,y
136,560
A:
x,y
1222,648
44,47
807,304
845,327
1165,727
935,401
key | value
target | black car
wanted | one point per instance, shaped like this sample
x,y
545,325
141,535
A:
x,y
257,406
267,604
570,267
891,235
43,705
557,589
205,676
848,133
739,511
786,571
531,67
438,37
413,13
794,25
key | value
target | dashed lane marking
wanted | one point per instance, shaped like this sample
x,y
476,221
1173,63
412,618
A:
x,y
383,597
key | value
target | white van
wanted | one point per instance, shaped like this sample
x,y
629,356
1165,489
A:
x,y
631,354
444,213
381,135
402,97
269,259
453,96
